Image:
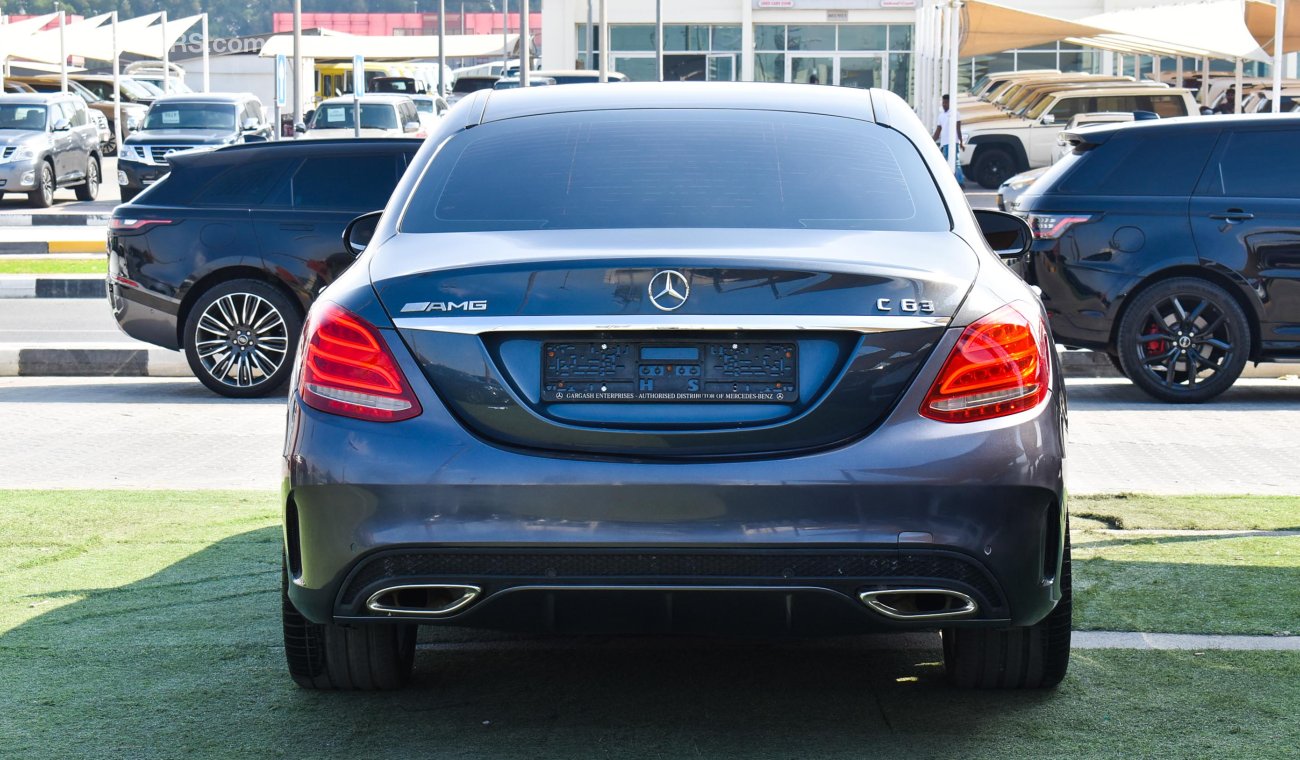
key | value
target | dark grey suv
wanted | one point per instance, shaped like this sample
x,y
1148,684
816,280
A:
x,y
48,141
735,358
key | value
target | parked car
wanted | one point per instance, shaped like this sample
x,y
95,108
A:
x,y
186,123
578,76
430,108
222,257
1170,245
16,88
581,403
48,141
1009,192
382,115
132,113
514,83
466,84
997,150
133,92
172,82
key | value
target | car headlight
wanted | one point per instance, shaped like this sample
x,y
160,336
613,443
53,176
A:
x,y
24,153
132,122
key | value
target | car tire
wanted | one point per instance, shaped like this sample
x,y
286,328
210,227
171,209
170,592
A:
x,y
245,327
43,195
127,193
993,166
375,657
90,189
1030,657
1175,332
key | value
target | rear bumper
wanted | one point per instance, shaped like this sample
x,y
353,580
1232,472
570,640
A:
x,y
551,541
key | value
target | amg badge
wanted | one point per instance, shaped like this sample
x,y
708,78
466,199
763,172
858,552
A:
x,y
445,306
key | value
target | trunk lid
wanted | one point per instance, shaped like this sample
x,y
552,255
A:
x,y
767,342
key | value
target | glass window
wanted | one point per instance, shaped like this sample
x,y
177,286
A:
x,y
685,37
246,185
191,116
319,182
820,37
1067,108
722,68
900,37
1260,164
769,67
339,116
25,117
637,69
1165,164
900,75
726,38
769,37
1036,60
863,36
676,168
631,37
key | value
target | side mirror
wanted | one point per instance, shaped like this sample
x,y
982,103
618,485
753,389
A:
x,y
357,235
300,128
1048,119
1007,234
411,126
62,125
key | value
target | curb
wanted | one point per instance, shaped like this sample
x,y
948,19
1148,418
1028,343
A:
x,y
56,219
30,247
92,361
63,286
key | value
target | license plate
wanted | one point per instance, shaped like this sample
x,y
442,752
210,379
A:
x,y
662,371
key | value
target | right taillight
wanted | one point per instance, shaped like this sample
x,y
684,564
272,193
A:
x,y
348,370
1001,365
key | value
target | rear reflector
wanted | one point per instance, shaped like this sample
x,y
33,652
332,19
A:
x,y
348,370
1000,366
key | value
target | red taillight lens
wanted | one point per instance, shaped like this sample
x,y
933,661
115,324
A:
x,y
347,369
134,224
999,366
1051,227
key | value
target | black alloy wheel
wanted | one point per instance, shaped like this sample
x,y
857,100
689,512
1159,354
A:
x,y
240,338
1184,340
992,166
43,195
89,190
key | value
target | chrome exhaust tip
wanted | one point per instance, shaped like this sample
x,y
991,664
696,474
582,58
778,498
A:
x,y
427,599
919,603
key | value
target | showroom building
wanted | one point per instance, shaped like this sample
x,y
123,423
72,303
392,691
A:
x,y
855,43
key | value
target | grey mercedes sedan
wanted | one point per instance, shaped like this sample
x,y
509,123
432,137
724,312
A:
x,y
690,357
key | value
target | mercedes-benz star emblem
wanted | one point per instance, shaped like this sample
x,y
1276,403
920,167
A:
x,y
669,290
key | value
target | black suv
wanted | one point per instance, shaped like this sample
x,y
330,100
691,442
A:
x,y
1174,246
222,257
192,122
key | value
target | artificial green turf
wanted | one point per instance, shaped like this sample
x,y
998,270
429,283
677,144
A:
x,y
97,265
146,625
1134,511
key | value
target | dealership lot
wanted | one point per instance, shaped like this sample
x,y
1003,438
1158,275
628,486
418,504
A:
x,y
173,433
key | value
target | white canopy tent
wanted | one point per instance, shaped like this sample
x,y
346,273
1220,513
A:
x,y
342,47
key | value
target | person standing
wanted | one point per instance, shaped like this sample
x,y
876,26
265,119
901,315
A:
x,y
943,135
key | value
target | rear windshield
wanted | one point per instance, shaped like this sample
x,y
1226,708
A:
x,y
340,116
676,168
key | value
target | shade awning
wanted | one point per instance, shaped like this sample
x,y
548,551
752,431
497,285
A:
x,y
1215,29
14,34
343,47
991,28
1261,21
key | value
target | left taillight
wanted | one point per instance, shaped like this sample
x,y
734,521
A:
x,y
134,224
348,370
1001,365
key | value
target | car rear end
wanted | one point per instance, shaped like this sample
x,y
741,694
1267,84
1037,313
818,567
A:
x,y
750,375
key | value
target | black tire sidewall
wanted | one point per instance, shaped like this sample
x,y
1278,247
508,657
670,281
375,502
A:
x,y
86,192
1127,348
37,196
289,312
983,163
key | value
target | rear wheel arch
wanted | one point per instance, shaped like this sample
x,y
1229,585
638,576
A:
x,y
1233,287
226,274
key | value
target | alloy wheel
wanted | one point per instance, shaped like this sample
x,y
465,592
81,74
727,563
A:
x,y
1184,341
47,185
241,340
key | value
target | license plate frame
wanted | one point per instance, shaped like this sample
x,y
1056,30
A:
x,y
676,371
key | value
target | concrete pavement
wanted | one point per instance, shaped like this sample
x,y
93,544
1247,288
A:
x,y
173,433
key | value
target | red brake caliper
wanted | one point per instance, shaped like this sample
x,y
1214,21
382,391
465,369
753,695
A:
x,y
1155,347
